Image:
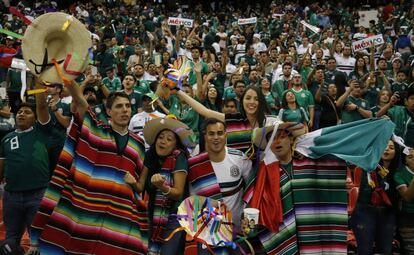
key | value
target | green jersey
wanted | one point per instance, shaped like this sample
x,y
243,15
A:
x,y
188,116
143,87
192,77
304,99
136,101
58,132
403,177
112,85
15,80
354,115
26,159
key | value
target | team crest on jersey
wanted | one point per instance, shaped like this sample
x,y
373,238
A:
x,y
303,95
234,171
133,101
363,104
98,110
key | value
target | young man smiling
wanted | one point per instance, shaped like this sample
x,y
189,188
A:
x,y
220,172
94,161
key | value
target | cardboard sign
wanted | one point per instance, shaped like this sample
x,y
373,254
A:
x,y
247,21
367,42
175,21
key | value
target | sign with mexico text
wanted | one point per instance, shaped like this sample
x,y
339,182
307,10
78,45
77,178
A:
x,y
367,42
247,21
175,21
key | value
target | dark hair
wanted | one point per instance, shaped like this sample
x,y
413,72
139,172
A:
x,y
130,74
112,96
109,69
211,121
365,69
138,64
262,108
396,161
239,81
330,58
229,99
152,156
287,64
28,105
284,102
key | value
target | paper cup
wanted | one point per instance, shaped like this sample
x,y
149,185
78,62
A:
x,y
252,216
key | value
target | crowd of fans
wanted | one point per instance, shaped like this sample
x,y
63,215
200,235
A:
x,y
303,75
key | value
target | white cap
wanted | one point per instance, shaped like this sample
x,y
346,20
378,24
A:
x,y
257,36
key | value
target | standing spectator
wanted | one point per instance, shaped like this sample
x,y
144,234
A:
x,y
24,165
346,62
291,111
304,98
164,179
60,117
282,84
134,97
95,160
352,105
148,113
208,178
404,179
330,113
112,82
5,61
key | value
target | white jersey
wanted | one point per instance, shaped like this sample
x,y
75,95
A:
x,y
137,123
345,65
232,173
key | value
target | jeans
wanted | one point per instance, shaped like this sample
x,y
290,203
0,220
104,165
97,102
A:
x,y
19,209
373,225
406,230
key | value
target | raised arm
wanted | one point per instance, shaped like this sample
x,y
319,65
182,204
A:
x,y
78,99
201,109
41,105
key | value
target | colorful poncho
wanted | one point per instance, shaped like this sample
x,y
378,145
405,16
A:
x,y
314,201
88,208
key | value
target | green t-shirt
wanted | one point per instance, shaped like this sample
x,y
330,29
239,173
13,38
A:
x,y
251,60
404,124
26,159
354,115
15,80
304,72
112,85
273,103
279,87
59,132
100,112
192,77
403,177
136,101
188,116
293,115
371,95
143,87
304,99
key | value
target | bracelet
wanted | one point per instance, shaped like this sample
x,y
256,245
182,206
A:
x,y
168,192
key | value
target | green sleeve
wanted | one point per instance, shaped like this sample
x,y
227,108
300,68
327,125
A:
x,y
181,164
398,178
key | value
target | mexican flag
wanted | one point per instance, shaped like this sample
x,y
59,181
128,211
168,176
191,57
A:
x,y
361,143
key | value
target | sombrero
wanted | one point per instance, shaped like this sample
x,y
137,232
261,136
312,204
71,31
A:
x,y
56,36
154,126
259,136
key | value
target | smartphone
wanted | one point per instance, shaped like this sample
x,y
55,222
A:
x,y
94,70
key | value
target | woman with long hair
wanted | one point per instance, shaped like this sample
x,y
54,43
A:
x,y
360,69
383,98
291,111
253,113
164,179
272,99
374,218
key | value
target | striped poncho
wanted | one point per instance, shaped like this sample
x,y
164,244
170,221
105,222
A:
x,y
88,208
314,201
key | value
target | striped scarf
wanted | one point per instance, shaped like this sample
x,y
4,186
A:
x,y
162,204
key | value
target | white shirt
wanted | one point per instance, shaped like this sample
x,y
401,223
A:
x,y
137,123
234,169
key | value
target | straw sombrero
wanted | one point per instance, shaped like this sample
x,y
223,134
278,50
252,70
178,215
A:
x,y
259,136
154,126
56,36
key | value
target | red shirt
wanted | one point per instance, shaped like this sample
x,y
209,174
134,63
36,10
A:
x,y
6,61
